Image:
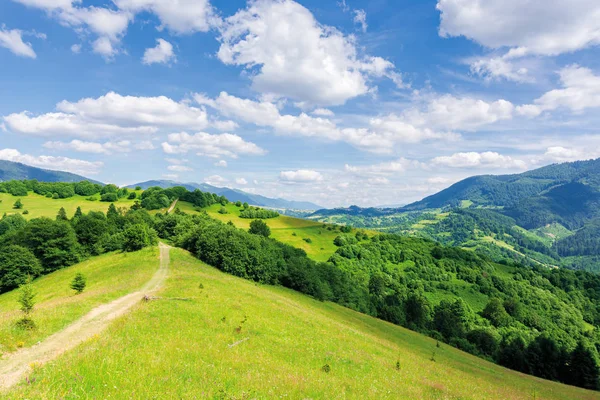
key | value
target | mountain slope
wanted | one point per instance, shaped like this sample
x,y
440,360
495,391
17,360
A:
x,y
233,195
12,170
236,339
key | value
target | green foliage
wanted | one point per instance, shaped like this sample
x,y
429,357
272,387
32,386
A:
x,y
258,213
109,197
16,265
258,227
132,196
223,210
18,205
138,236
62,215
26,298
78,283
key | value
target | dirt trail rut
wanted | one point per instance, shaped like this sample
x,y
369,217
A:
x,y
18,363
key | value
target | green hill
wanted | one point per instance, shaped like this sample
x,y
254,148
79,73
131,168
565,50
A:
x,y
236,339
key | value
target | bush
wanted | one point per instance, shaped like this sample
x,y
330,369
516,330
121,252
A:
x,y
109,197
138,236
258,227
18,204
17,264
132,196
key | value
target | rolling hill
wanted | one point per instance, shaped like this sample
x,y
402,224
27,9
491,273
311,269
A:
x,y
233,195
232,338
12,170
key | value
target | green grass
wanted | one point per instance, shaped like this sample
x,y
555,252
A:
x,y
41,206
286,229
172,349
108,276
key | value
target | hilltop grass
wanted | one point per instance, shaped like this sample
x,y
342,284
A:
x,y
41,206
289,230
109,277
237,339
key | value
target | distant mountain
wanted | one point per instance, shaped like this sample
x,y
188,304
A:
x,y
233,195
12,170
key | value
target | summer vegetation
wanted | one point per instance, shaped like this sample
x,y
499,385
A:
x,y
532,319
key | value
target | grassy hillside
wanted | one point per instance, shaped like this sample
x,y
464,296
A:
x,y
237,339
292,231
108,277
41,206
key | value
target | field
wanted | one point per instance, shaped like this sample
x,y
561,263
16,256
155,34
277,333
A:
x,y
234,339
41,206
286,229
108,276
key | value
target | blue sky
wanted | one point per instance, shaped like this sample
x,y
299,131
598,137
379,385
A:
x,y
355,102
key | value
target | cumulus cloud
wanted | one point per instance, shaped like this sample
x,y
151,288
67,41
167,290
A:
x,y
215,180
144,145
392,167
13,41
537,27
205,144
580,91
76,48
179,168
488,159
323,112
301,176
109,115
221,163
498,68
161,54
121,146
295,56
178,16
565,154
55,163
241,181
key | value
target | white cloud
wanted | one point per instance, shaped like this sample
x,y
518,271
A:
x,y
486,159
13,41
438,180
179,168
392,167
241,181
360,18
161,54
379,180
178,16
581,90
55,163
122,146
498,68
295,56
144,145
221,163
76,48
109,115
224,126
222,145
564,154
537,27
215,180
301,175
323,112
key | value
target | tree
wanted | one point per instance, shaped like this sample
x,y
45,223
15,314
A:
x,y
78,283
259,227
78,213
16,265
18,204
27,298
109,197
112,212
138,236
62,215
583,366
451,318
494,311
132,196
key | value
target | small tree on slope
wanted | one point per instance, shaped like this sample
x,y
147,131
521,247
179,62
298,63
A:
x,y
78,283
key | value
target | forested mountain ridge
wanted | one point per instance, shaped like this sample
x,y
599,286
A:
x,y
548,216
12,170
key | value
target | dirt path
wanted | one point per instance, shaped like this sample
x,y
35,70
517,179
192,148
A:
x,y
172,206
17,364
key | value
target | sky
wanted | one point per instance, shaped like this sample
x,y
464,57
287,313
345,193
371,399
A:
x,y
367,103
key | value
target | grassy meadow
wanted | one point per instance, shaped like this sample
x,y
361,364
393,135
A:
x,y
41,206
234,339
286,229
109,277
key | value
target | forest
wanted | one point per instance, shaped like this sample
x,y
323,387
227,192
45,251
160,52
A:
x,y
532,319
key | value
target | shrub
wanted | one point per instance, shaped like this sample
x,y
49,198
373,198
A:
x,y
132,196
109,197
307,240
138,236
18,204
78,283
258,227
17,264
